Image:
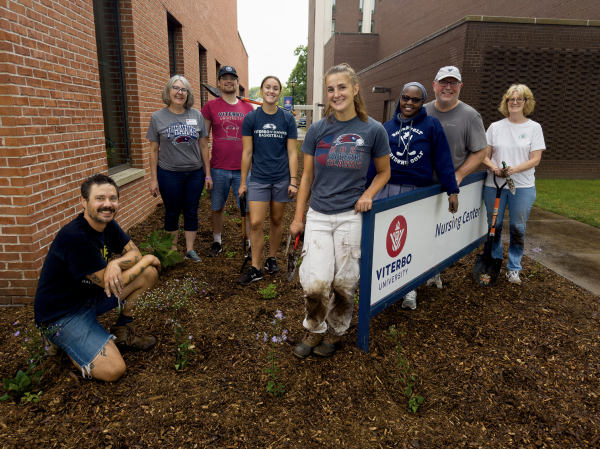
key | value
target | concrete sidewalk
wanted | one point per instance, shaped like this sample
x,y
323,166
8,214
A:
x,y
570,248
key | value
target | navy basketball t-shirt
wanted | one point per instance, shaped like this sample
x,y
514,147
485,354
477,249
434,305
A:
x,y
77,251
270,163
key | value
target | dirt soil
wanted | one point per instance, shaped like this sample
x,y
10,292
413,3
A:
x,y
506,367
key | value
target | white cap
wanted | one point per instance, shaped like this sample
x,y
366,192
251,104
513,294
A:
x,y
448,72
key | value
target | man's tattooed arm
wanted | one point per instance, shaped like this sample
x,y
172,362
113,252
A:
x,y
133,256
95,279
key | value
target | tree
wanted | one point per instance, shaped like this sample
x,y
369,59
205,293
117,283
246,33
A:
x,y
254,93
299,73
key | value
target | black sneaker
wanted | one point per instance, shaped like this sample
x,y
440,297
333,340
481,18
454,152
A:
x,y
215,249
251,275
271,265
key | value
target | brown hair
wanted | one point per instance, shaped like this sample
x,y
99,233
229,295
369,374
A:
x,y
359,104
524,92
271,76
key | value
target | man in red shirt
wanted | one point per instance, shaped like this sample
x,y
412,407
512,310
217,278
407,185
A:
x,y
224,116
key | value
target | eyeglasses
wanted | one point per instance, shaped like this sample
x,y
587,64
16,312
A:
x,y
183,90
516,100
228,78
415,100
453,84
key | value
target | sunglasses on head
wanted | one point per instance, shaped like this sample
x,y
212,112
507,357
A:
x,y
415,100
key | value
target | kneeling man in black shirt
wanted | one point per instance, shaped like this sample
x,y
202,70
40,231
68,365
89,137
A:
x,y
78,284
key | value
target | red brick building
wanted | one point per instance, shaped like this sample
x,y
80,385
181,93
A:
x,y
78,84
494,44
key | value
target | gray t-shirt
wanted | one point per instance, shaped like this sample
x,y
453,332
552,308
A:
x,y
343,152
463,128
178,137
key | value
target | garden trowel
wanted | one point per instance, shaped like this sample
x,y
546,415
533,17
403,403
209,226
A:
x,y
293,257
509,182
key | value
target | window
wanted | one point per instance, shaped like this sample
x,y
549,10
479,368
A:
x,y
203,73
174,38
388,110
372,26
360,26
333,27
373,7
360,6
333,6
107,21
217,68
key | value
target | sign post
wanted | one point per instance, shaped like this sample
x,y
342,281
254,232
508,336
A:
x,y
407,239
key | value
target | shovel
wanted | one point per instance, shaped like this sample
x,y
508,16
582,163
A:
x,y
293,257
247,256
509,181
487,269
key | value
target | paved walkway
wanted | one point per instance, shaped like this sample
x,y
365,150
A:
x,y
570,248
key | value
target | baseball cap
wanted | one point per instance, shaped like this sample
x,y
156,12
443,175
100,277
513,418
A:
x,y
448,72
227,70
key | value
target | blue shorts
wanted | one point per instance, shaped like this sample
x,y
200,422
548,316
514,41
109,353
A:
x,y
269,192
222,181
80,334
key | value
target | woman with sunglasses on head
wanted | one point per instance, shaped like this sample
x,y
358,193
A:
x,y
419,146
179,170
337,151
519,142
269,136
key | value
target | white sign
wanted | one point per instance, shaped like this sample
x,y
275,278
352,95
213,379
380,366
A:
x,y
411,239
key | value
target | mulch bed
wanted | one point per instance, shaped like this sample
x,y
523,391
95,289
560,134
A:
x,y
510,366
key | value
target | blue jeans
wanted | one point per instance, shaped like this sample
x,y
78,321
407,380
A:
x,y
519,206
180,191
222,181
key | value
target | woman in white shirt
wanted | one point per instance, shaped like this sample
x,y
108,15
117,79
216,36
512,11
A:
x,y
519,142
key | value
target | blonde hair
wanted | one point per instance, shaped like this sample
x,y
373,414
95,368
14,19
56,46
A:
x,y
166,94
524,92
359,104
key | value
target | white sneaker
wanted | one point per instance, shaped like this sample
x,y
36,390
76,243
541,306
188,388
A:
x,y
410,300
513,277
436,280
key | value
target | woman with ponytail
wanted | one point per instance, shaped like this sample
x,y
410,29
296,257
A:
x,y
337,152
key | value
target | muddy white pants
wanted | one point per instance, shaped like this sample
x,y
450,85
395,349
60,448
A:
x,y
330,270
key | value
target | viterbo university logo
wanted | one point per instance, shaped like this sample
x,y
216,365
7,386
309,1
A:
x,y
396,237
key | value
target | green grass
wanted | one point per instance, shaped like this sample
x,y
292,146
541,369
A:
x,y
578,199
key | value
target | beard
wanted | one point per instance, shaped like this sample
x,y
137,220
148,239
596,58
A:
x,y
95,214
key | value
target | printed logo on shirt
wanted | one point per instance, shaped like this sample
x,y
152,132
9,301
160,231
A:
x,y
396,236
104,253
270,126
270,130
343,151
522,136
231,130
179,133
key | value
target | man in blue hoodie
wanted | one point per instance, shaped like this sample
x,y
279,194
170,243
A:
x,y
419,148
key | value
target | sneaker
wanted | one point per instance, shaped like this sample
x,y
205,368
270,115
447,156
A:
x,y
251,276
305,347
126,338
191,255
215,249
513,277
436,280
328,346
410,300
50,348
271,266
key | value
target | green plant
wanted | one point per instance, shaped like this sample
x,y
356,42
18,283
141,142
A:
x,y
31,397
356,298
299,262
174,298
537,268
266,238
225,213
231,254
161,248
275,336
204,193
408,379
236,220
269,292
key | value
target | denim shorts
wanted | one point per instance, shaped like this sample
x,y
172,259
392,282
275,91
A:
x,y
223,180
80,334
269,192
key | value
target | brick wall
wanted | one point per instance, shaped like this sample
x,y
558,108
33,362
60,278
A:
x,y
347,15
358,50
51,122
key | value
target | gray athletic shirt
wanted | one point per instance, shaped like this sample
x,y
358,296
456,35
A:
x,y
178,136
463,128
343,152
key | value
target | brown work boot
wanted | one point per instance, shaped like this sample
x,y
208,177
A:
x,y
305,347
50,348
328,346
126,338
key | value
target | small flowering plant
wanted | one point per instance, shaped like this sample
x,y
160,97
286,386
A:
x,y
34,343
176,299
274,336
